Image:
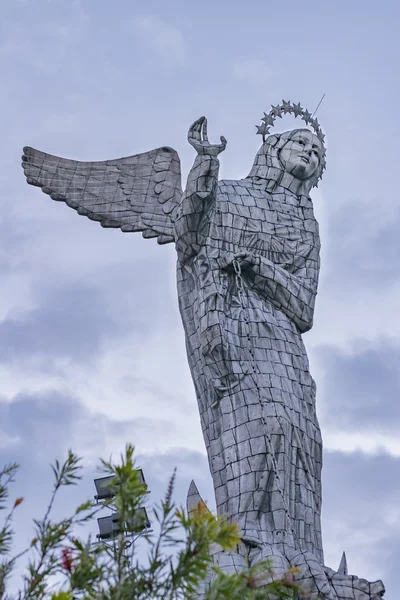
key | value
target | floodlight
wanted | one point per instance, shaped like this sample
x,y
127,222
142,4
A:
x,y
109,526
103,489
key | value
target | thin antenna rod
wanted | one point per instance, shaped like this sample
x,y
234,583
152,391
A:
x,y
319,104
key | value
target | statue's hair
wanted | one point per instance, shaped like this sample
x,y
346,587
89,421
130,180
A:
x,y
268,165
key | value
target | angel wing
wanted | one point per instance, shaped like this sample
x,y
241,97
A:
x,y
136,193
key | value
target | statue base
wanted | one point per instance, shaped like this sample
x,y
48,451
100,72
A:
x,y
316,581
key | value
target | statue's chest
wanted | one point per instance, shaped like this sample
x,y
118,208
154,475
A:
x,y
249,217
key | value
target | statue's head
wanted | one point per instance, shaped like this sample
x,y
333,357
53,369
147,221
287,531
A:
x,y
294,159
300,152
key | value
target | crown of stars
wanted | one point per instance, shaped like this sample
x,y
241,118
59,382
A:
x,y
297,110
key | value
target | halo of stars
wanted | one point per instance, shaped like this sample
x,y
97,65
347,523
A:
x,y
297,110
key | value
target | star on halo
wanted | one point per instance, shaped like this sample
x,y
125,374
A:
x,y
262,129
316,123
268,119
287,107
276,111
307,116
297,109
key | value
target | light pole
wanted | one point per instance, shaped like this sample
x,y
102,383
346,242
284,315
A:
x,y
110,526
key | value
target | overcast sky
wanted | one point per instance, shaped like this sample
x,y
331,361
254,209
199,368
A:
x,y
91,345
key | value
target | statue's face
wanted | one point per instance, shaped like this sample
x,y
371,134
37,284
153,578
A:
x,y
301,155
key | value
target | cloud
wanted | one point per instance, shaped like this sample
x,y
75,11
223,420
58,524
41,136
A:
x,y
53,420
44,46
358,386
163,38
363,386
70,322
361,514
360,277
255,71
369,243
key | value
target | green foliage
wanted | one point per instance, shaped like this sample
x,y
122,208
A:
x,y
61,566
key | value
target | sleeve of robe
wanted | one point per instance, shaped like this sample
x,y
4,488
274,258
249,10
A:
x,y
293,294
193,221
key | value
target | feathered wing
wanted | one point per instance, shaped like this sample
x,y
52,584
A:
x,y
136,193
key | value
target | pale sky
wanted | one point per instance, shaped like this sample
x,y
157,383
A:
x,y
91,346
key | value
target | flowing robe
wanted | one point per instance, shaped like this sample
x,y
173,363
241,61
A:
x,y
248,362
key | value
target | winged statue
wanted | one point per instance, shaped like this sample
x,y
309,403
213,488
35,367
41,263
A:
x,y
247,275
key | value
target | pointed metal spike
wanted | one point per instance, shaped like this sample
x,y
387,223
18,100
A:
x,y
193,497
342,570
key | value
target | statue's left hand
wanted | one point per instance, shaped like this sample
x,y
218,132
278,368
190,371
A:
x,y
197,137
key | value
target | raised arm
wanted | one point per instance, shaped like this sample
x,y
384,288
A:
x,y
293,294
193,219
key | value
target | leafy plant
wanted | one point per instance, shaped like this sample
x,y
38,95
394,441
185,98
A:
x,y
61,566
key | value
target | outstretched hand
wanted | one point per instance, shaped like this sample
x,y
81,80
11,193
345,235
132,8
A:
x,y
197,137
